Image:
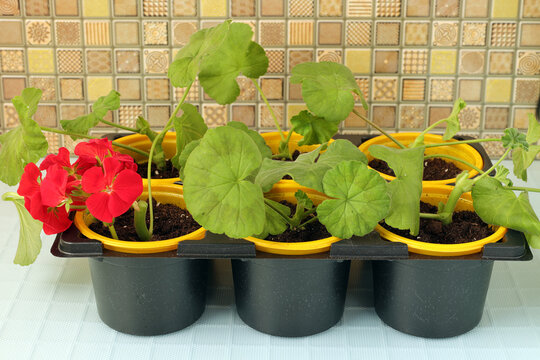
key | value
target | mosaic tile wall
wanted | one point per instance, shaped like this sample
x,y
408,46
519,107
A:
x,y
412,58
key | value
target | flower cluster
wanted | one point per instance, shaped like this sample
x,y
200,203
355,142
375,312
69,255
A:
x,y
101,180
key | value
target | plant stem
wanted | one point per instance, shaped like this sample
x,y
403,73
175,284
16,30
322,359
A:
x,y
130,148
112,231
271,206
493,167
456,159
432,126
313,219
270,109
139,219
521,188
430,216
150,155
472,141
11,196
379,128
127,128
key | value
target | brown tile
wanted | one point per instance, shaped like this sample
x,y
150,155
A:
x,y
529,63
527,91
476,8
248,92
265,117
447,8
496,117
37,8
388,8
384,116
387,33
128,114
47,85
386,61
12,60
158,115
155,7
97,33
157,89
11,31
469,117
437,113
472,62
299,56
69,61
12,87
126,33
128,61
442,90
182,31
501,62
185,7
295,91
331,7
129,89
412,116
418,8
156,61
474,34
301,8
272,33
125,7
358,33
330,55
354,122
214,114
300,32
503,34
470,89
155,33
384,89
531,9
71,89
66,8
68,33
529,35
99,61
244,113
413,89
330,33
10,8
243,7
38,32
445,33
46,115
272,8
521,117
416,33
276,61
415,61
272,88
70,112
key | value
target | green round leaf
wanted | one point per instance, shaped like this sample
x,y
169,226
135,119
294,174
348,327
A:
x,y
315,129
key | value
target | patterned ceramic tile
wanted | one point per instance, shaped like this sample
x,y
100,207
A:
x,y
299,56
386,61
472,61
9,7
272,33
126,33
46,115
529,34
384,116
388,8
416,33
265,117
185,7
155,7
330,7
447,8
498,90
37,7
12,86
38,32
531,8
248,92
95,8
68,33
330,55
474,34
128,61
384,89
414,61
71,89
412,116
98,86
156,61
501,62
182,31
47,85
359,8
125,7
496,117
40,61
54,141
272,88
443,61
301,33
329,32
69,61
193,94
476,8
69,112
527,91
295,91
12,60
99,61
363,84
97,33
11,31
158,115
157,89
11,118
243,7
529,63
155,33
213,8
301,8
505,8
437,113
521,117
418,8
445,33
442,90
295,109
276,61
243,113
503,34
214,114
354,122
470,89
387,33
358,33
470,117
493,148
128,114
129,88
358,61
413,90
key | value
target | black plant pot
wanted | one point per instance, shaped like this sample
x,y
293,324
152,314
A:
x,y
431,298
149,296
290,297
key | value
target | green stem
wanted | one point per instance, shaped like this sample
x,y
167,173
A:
x,y
379,128
432,126
472,141
493,167
521,188
269,109
11,196
271,206
472,166
139,219
430,216
112,231
313,219
157,139
77,207
131,148
127,128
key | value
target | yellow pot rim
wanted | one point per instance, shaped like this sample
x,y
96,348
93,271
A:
x,y
408,137
420,247
139,247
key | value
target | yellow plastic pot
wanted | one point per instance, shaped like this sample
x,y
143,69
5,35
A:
x,y
164,193
285,191
462,151
434,194
142,142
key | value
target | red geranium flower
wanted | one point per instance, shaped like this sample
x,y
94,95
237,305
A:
x,y
61,159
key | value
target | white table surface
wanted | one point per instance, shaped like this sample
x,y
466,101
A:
x,y
48,311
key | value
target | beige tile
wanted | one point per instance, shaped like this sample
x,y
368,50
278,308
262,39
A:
x,y
126,33
301,33
47,85
69,61
386,61
530,35
128,114
531,9
474,34
363,84
12,60
156,61
447,8
125,7
272,88
469,117
501,62
358,33
193,94
128,61
496,117
46,115
299,56
330,55
295,91
54,141
10,8
11,32
68,33
276,61
66,8
521,117
418,8
330,7
384,89
182,31
244,113
412,116
360,8
442,90
272,33
330,33
248,92
529,63
155,33
470,89
437,113
158,115
70,112
476,8
414,61
445,33
413,90
384,116
472,62
12,87
388,8
71,89
527,91
243,7
416,33
387,33
503,34
97,33
272,8
38,32
155,7
11,118
265,117
354,122
214,114
185,7
301,8
37,8
157,89
99,61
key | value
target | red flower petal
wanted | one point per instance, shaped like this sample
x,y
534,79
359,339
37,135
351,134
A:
x,y
98,205
56,221
117,206
61,159
95,148
128,186
111,168
93,180
29,181
53,186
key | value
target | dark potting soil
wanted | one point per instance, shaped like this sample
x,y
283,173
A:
x,y
312,231
434,169
466,227
170,221
169,172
